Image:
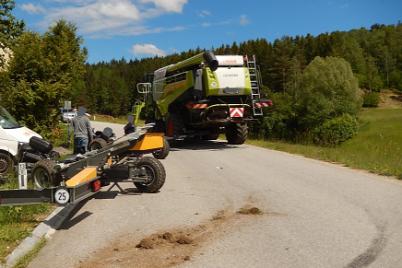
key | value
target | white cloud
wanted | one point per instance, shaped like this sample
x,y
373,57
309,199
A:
x,y
147,49
218,23
175,6
106,18
32,8
135,30
244,20
103,15
204,13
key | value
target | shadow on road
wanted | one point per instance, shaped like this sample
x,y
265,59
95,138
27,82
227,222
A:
x,y
202,145
72,219
108,194
70,215
64,219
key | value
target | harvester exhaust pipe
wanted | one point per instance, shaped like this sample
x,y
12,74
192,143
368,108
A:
x,y
210,58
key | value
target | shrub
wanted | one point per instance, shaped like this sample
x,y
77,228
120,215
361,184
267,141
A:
x,y
278,120
336,130
371,99
328,89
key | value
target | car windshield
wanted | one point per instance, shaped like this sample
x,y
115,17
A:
x,y
6,120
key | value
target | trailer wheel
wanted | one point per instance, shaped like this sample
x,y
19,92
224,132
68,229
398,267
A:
x,y
97,144
164,152
6,163
236,133
44,174
154,171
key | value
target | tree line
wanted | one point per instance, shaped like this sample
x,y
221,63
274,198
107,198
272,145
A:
x,y
375,56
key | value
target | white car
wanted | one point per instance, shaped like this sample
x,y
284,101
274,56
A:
x,y
11,135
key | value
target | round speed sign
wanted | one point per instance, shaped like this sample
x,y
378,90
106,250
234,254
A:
x,y
62,196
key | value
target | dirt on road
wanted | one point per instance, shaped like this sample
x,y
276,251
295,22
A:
x,y
170,247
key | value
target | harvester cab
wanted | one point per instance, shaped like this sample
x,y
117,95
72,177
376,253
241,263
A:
x,y
204,96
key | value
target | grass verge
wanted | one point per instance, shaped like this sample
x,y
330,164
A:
x,y
376,148
24,261
17,222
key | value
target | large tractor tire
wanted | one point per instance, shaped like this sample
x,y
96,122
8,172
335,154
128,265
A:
x,y
97,144
153,169
44,174
164,152
6,163
236,133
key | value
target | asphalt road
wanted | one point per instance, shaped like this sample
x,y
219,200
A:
x,y
316,214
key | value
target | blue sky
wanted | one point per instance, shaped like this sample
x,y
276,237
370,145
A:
x,y
143,28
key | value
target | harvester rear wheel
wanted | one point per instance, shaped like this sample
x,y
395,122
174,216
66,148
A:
x,y
153,169
236,133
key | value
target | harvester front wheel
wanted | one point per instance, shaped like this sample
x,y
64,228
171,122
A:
x,y
236,133
153,170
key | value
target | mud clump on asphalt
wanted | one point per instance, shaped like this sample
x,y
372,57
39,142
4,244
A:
x,y
165,238
184,240
164,249
167,248
250,211
220,215
146,243
168,236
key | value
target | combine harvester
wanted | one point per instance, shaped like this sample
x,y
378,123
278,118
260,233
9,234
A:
x,y
204,96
